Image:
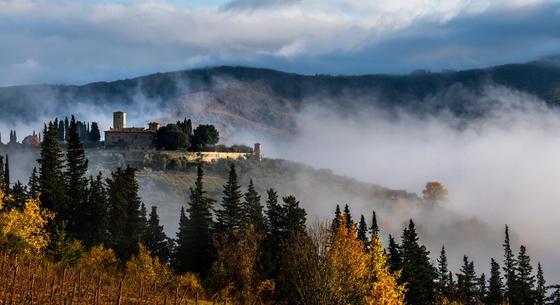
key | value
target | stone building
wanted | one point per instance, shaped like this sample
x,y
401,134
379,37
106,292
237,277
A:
x,y
120,136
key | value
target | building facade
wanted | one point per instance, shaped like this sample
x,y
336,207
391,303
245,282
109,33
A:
x,y
120,136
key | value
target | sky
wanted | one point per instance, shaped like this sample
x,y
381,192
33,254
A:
x,y
80,41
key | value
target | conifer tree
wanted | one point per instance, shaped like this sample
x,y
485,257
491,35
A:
x,y
510,266
348,217
66,127
51,178
195,250
418,272
525,279
253,210
374,229
495,294
336,219
295,216
143,219
362,231
443,283
93,229
394,256
482,289
229,217
2,173
125,224
7,182
272,243
19,195
554,297
155,239
467,283
33,184
94,134
60,130
540,292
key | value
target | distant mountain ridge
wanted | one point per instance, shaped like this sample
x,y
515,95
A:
x,y
267,100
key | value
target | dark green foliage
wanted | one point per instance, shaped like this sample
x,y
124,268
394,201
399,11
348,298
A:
x,y
94,133
467,283
126,227
60,132
229,219
253,209
7,182
362,231
525,279
336,219
554,297
172,137
195,250
155,239
295,216
348,217
19,195
482,288
495,295
33,184
374,229
205,135
444,281
13,137
2,184
540,291
51,178
510,265
92,228
418,272
394,257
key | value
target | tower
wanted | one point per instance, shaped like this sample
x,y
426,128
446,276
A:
x,y
119,120
258,152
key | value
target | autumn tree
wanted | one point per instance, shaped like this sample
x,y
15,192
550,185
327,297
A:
x,y
434,193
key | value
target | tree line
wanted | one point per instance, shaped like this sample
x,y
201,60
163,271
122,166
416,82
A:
x,y
182,136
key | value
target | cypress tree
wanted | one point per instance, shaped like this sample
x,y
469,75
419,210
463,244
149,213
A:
x,y
229,217
418,272
348,217
94,226
362,231
525,281
467,283
61,132
374,229
51,178
394,256
7,182
336,220
495,286
253,210
33,184
540,292
155,239
66,127
443,283
94,134
76,183
195,250
509,271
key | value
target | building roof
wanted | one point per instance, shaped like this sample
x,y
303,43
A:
x,y
130,130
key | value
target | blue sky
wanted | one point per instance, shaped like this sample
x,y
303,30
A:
x,y
75,42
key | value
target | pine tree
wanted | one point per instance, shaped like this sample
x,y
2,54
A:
x,y
76,182
482,289
418,272
195,250
33,184
554,297
336,219
443,282
125,224
374,229
525,281
495,294
7,182
155,239
94,134
229,217
348,217
467,283
394,256
295,216
51,178
253,210
362,231
540,292
509,271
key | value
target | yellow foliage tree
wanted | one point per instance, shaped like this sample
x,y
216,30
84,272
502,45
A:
x,y
144,268
28,224
385,290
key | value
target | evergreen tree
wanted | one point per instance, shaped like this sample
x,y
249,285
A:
x,y
33,184
253,210
94,134
66,127
19,195
274,239
295,216
229,217
76,182
94,226
394,256
155,239
51,178
467,283
525,281
362,231
495,294
7,182
125,224
418,272
336,220
2,184
510,266
143,220
374,229
554,298
482,289
540,292
60,131
443,283
348,217
195,250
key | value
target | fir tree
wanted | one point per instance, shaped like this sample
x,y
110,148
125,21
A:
x,y
60,130
195,250
510,266
495,294
155,239
295,216
443,283
348,217
253,210
66,127
418,272
362,231
467,283
7,182
554,298
274,239
525,281
229,217
33,184
51,178
19,195
540,292
95,223
374,229
394,256
482,289
336,219
2,184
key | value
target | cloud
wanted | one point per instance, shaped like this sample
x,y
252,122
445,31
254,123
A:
x,y
81,41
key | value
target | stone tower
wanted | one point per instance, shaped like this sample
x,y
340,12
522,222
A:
x,y
119,120
258,152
